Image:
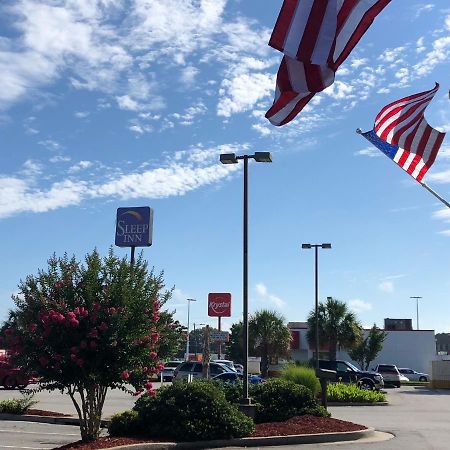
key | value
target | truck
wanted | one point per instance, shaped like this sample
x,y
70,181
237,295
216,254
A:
x,y
346,372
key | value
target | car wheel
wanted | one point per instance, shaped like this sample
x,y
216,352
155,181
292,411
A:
x,y
366,385
397,384
423,379
9,383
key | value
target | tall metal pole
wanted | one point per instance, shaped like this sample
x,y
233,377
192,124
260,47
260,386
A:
x,y
195,342
417,309
316,251
245,398
189,300
133,248
219,356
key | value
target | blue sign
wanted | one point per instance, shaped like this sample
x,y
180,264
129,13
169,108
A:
x,y
134,227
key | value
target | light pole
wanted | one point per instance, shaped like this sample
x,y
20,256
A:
x,y
417,309
316,309
231,158
189,300
196,340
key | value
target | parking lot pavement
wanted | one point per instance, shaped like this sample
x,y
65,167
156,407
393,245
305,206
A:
x,y
35,436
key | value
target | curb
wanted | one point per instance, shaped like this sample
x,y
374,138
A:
x,y
357,404
254,442
46,419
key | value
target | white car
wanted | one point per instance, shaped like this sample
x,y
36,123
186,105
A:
x,y
226,362
413,375
169,367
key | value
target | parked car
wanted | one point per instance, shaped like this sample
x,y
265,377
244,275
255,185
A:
x,y
227,363
12,377
413,375
239,368
232,377
390,374
195,369
347,373
168,370
403,378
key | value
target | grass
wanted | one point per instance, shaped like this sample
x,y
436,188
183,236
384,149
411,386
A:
x,y
303,375
17,405
351,393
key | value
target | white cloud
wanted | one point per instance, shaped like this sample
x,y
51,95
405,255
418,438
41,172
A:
x,y
386,286
267,297
371,152
423,8
50,144
81,114
80,166
439,54
359,306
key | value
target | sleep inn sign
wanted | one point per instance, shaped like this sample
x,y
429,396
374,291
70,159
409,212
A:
x,y
134,227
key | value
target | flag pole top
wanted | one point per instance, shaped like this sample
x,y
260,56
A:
x,y
359,131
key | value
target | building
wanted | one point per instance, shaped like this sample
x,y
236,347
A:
x,y
402,347
443,343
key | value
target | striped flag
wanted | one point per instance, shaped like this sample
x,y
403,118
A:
x,y
315,36
402,133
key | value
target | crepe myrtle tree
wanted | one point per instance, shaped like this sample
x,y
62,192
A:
x,y
84,327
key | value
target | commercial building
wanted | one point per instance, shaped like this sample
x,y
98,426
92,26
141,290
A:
x,y
403,346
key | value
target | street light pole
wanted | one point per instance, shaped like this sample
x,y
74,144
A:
x,y
417,309
189,300
232,158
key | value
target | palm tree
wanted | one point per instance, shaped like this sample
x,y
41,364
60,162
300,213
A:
x,y
269,337
337,326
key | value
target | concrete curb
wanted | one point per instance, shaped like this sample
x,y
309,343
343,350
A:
x,y
46,419
254,442
358,404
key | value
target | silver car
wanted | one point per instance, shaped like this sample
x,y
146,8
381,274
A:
x,y
413,375
194,369
169,367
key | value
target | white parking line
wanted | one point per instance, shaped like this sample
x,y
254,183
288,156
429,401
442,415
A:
x,y
38,432
25,448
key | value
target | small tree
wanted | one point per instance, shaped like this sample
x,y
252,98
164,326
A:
x,y
235,346
269,337
337,326
368,348
84,328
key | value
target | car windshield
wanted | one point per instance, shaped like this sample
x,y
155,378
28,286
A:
x,y
172,364
354,367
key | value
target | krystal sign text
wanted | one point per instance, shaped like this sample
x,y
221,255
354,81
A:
x,y
219,304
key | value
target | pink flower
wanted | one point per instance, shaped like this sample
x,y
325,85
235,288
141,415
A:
x,y
152,393
145,369
146,310
156,316
103,326
148,386
153,355
71,315
93,344
160,367
93,333
112,311
138,392
73,357
79,362
155,337
83,344
32,327
74,323
74,349
153,370
125,375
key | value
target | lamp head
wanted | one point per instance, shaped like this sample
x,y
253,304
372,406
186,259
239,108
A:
x,y
305,246
262,157
228,158
326,245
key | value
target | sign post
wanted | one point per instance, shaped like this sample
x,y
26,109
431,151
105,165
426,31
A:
x,y
219,305
134,228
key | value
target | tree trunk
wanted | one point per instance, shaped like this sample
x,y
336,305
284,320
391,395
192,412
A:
x,y
89,409
333,350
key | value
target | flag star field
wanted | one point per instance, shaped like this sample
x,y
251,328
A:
x,y
110,104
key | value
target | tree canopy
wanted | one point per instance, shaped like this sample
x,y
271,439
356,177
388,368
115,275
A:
x,y
368,348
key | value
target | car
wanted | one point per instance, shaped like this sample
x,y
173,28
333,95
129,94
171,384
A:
x,y
239,368
227,362
346,372
413,375
233,377
167,373
403,378
194,370
390,374
12,377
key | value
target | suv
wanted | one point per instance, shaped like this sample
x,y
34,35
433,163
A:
x,y
169,367
195,369
348,373
390,373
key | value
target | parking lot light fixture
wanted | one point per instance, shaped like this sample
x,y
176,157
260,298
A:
x,y
189,300
233,159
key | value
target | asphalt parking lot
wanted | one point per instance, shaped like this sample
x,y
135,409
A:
x,y
418,417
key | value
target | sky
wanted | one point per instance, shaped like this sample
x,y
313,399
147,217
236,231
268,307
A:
x,y
121,103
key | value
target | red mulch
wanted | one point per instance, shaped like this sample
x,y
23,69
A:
x,y
40,412
295,425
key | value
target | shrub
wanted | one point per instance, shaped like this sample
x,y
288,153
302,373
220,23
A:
x,y
279,400
125,423
191,411
17,405
351,393
305,376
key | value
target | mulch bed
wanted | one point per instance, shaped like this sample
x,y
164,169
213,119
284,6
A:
x,y
295,425
40,412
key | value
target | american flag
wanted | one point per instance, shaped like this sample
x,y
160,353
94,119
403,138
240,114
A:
x,y
402,133
315,36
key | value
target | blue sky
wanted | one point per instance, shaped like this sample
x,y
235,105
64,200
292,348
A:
x,y
111,103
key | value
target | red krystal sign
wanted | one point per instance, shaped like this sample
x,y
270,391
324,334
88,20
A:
x,y
219,304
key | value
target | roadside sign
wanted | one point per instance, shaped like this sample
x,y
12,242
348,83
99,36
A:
x,y
219,336
134,227
219,304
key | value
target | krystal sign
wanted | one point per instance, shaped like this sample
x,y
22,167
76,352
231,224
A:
x,y
219,304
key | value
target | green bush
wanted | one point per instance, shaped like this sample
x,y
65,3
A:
x,y
351,393
125,423
191,411
279,400
306,376
17,405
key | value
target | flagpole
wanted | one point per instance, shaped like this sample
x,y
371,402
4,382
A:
x,y
445,202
